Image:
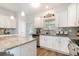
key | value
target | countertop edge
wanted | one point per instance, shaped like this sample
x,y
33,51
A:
x,y
20,44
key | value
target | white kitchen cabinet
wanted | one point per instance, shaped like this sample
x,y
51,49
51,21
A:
x,y
61,18
72,21
63,43
38,22
13,23
10,23
15,51
2,21
28,49
46,41
43,41
59,44
77,15
6,22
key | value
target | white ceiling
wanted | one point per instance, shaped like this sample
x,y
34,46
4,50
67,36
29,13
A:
x,y
28,9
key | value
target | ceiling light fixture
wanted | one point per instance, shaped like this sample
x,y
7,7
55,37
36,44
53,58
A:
x,y
22,13
35,5
47,7
11,17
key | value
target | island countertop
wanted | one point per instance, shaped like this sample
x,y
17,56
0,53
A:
x,y
10,42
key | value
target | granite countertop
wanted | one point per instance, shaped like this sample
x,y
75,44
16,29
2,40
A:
x,y
10,42
74,37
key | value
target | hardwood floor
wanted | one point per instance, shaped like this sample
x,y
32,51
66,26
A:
x,y
44,52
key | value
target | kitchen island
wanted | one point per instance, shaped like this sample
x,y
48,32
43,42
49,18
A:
x,y
18,46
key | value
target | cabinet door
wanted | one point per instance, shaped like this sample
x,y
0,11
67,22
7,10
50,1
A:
x,y
49,41
43,41
72,15
55,44
46,41
64,44
63,18
28,49
7,22
77,15
13,23
15,51
2,21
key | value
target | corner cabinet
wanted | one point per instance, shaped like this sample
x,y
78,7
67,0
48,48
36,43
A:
x,y
6,22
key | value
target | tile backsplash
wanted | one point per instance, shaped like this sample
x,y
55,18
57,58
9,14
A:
x,y
11,31
71,30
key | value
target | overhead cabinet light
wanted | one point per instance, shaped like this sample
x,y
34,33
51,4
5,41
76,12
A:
x,y
22,13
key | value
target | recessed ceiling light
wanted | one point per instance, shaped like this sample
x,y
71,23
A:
x,y
35,5
11,17
47,7
22,13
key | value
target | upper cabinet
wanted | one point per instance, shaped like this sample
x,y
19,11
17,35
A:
x,y
68,17
65,17
72,10
6,22
45,21
77,14
61,18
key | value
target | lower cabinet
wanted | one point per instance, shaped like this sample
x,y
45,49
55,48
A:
x,y
59,44
28,49
14,51
45,41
